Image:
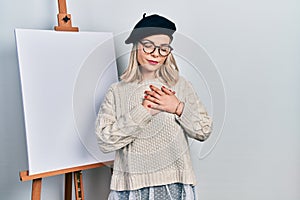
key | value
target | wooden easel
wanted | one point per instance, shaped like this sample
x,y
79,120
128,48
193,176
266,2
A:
x,y
64,24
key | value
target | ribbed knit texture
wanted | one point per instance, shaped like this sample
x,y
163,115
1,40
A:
x,y
150,150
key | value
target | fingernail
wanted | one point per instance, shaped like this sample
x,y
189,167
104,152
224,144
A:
x,y
151,85
145,96
163,86
149,106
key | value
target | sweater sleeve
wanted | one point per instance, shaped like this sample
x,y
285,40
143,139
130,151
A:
x,y
194,119
114,132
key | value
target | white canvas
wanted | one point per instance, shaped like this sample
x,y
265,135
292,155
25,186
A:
x,y
64,77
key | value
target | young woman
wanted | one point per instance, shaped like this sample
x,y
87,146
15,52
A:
x,y
147,117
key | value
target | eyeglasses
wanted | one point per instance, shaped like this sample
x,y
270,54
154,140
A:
x,y
149,47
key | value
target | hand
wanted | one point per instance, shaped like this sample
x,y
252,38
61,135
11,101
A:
x,y
162,99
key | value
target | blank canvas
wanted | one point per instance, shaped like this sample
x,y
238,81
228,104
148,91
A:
x,y
64,77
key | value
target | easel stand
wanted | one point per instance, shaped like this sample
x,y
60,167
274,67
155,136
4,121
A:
x,y
64,24
75,172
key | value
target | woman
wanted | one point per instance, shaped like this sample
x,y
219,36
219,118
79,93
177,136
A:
x,y
147,117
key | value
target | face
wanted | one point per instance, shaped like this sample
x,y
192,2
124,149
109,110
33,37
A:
x,y
150,62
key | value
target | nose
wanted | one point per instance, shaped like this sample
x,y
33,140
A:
x,y
155,53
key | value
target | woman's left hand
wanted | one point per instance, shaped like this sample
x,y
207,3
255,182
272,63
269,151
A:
x,y
163,99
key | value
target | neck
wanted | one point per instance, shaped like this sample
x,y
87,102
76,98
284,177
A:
x,y
147,75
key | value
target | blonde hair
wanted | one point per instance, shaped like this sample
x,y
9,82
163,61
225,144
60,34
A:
x,y
168,72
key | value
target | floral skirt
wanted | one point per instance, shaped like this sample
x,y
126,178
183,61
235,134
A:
x,y
175,191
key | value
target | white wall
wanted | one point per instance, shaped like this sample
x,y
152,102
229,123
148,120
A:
x,y
255,45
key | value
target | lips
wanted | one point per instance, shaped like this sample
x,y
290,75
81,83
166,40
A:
x,y
152,62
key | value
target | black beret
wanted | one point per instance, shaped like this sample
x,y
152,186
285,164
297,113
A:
x,y
151,25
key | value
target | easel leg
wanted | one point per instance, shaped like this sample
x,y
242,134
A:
x,y
36,189
78,185
68,186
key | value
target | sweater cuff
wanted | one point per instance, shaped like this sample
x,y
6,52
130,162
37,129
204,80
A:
x,y
140,115
186,114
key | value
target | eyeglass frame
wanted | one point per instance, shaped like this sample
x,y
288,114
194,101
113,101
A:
x,y
156,47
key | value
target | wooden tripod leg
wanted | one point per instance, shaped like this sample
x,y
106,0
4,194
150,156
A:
x,y
78,185
68,186
36,189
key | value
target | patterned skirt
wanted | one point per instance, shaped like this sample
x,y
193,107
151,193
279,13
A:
x,y
175,191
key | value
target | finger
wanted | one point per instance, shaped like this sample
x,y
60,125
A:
x,y
153,94
152,99
146,102
157,90
154,106
167,91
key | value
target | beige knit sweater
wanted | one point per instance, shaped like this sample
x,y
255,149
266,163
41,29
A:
x,y
150,150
